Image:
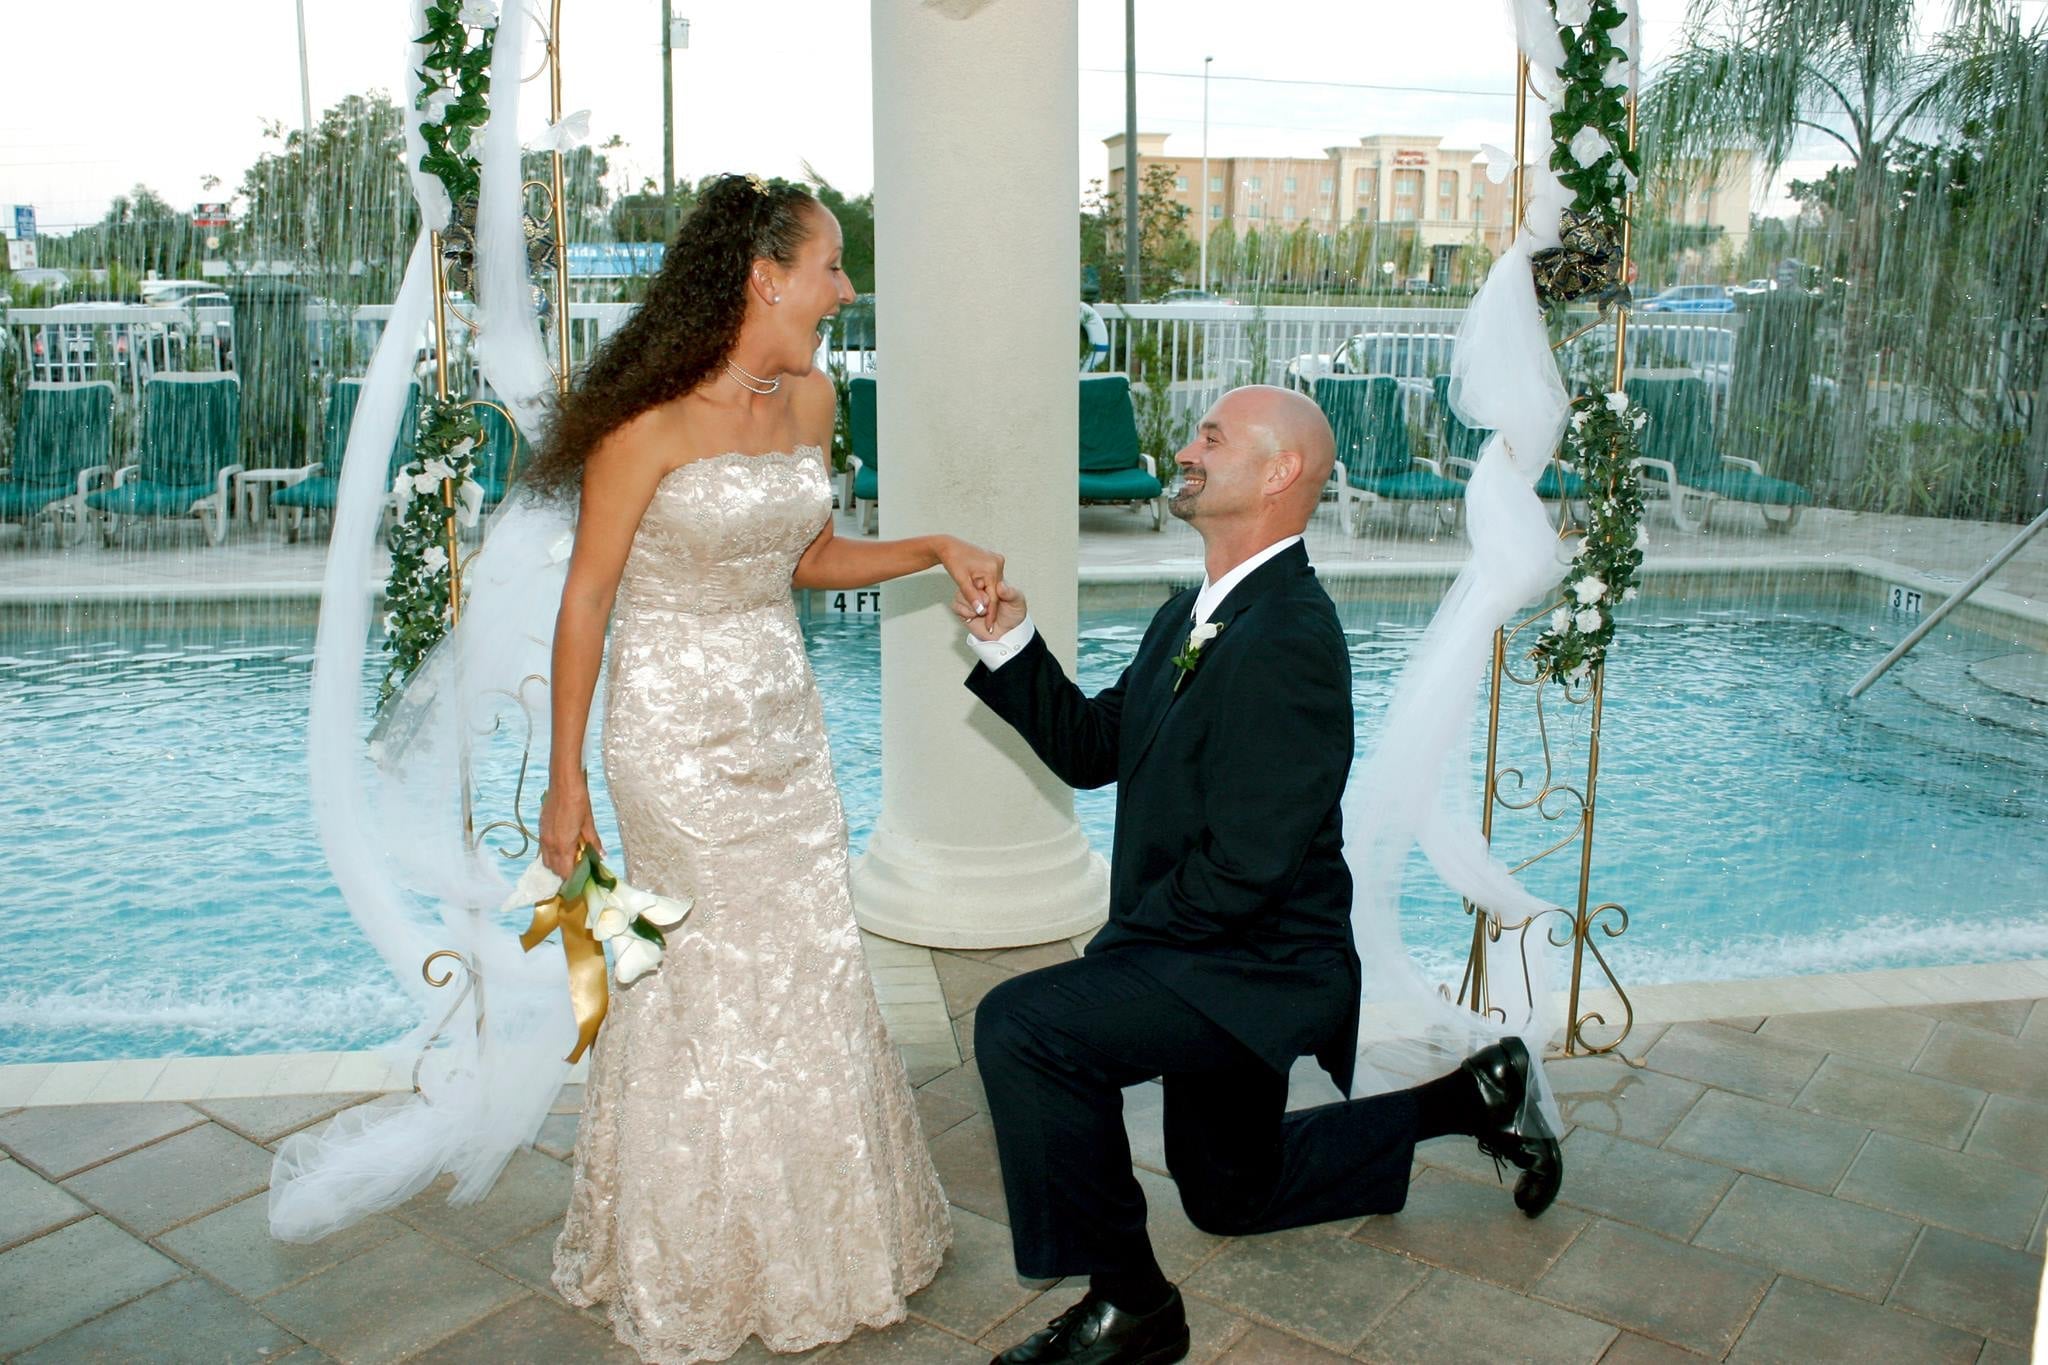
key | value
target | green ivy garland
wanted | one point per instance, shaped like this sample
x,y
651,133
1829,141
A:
x,y
453,100
1591,155
1600,448
454,94
416,595
1589,130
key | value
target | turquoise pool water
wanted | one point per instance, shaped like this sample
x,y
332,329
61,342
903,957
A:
x,y
170,896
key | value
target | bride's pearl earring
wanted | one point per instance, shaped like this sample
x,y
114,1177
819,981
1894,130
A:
x,y
776,299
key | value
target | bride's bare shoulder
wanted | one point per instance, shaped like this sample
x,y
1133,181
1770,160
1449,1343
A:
x,y
643,448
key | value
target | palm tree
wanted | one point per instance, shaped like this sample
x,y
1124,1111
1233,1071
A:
x,y
1775,75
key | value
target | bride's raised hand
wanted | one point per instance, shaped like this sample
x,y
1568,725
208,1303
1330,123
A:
x,y
566,823
978,573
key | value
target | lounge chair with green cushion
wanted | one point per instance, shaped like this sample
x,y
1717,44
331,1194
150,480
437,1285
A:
x,y
63,448
1374,460
863,483
1681,456
191,439
1113,468
314,490
1463,443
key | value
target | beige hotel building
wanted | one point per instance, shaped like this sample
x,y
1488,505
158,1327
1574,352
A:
x,y
1395,179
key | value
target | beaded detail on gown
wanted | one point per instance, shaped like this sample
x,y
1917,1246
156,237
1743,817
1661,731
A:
x,y
749,1160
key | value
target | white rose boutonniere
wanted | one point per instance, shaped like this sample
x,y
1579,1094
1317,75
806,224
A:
x,y
1190,655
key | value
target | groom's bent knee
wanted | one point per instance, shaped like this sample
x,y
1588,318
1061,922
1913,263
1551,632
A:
x,y
1221,1213
1006,1022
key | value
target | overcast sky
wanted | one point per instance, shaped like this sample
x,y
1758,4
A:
x,y
140,91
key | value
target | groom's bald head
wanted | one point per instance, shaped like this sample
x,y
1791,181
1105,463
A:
x,y
1289,420
1258,463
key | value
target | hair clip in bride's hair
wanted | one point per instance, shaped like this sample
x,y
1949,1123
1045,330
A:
x,y
760,185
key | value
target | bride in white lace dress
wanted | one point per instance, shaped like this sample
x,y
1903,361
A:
x,y
749,1161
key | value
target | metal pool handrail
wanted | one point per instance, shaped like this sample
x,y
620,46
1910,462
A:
x,y
1955,599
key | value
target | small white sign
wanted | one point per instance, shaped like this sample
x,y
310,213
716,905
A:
x,y
21,253
1902,599
853,601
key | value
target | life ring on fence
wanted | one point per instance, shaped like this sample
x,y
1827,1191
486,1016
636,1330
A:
x,y
1095,332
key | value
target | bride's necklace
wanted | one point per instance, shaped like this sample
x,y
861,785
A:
x,y
752,383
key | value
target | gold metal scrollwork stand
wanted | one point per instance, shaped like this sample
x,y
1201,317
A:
x,y
558,285
1557,803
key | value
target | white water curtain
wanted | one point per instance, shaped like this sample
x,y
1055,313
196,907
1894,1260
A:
x,y
1418,785
394,837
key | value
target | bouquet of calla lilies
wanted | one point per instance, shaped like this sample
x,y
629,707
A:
x,y
628,919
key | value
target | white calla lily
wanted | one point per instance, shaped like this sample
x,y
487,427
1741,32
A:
x,y
634,957
610,923
662,912
535,884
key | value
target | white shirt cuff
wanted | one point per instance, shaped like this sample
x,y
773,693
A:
x,y
999,651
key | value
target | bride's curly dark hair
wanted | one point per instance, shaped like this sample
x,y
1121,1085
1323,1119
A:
x,y
685,328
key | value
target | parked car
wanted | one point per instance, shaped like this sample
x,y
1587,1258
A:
x,y
1690,298
1195,297
1420,284
177,291
1412,357
1748,287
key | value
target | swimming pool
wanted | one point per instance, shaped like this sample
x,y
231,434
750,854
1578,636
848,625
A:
x,y
174,900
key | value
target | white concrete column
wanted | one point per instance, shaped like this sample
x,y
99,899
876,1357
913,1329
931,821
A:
x,y
977,269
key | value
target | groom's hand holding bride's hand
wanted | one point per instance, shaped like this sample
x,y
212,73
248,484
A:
x,y
976,572
1008,615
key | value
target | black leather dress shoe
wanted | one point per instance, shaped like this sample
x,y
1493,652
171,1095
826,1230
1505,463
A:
x,y
1095,1332
1517,1132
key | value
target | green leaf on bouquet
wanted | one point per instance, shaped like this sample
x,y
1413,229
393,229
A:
x,y
647,931
579,880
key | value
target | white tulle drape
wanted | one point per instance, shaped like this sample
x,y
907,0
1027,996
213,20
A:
x,y
1418,786
394,835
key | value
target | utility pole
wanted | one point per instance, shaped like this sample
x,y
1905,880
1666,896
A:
x,y
668,123
305,88
1131,151
1204,229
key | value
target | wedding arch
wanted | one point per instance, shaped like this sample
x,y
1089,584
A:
x,y
470,648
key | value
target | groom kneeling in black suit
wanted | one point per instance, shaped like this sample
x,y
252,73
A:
x,y
1228,952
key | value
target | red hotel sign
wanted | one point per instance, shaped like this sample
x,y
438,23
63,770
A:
x,y
1411,158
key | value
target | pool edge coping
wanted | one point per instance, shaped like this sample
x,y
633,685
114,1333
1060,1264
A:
x,y
30,1085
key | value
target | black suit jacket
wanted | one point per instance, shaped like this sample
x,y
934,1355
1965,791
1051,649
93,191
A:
x,y
1227,878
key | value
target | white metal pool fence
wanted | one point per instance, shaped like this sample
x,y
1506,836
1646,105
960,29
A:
x,y
1203,349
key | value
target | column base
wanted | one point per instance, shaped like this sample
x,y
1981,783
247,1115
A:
x,y
980,896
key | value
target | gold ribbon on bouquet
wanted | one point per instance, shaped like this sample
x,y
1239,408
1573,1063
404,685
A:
x,y
588,995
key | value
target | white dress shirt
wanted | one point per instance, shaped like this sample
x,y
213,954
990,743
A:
x,y
999,651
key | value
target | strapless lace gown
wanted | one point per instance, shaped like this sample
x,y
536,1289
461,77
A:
x,y
750,1160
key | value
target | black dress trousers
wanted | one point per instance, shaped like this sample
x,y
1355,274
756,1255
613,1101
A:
x,y
1056,1047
